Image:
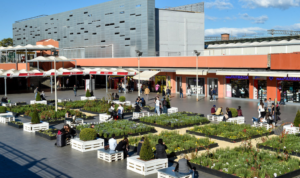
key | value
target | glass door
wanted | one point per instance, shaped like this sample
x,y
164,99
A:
x,y
178,84
212,84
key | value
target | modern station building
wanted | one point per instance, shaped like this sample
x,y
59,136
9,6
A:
x,y
107,35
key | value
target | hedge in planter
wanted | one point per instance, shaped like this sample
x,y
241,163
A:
x,y
2,109
245,162
88,134
35,118
146,152
174,120
38,97
230,131
233,112
174,141
88,94
122,99
119,128
297,119
102,106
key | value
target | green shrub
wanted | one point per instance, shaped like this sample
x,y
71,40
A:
x,y
88,94
35,119
38,97
233,112
2,109
297,119
122,98
146,153
88,134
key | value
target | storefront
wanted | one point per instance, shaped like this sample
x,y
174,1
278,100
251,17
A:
x,y
260,88
290,86
192,84
212,83
237,86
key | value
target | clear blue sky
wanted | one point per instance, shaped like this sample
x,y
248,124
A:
x,y
237,17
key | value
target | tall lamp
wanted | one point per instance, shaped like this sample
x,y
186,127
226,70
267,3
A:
x,y
197,55
139,54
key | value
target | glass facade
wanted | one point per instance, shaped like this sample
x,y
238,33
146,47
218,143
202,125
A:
x,y
192,84
291,90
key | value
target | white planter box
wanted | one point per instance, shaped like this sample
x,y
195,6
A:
x,y
238,120
172,110
85,146
104,117
110,155
128,103
146,167
215,117
87,98
6,117
8,104
291,130
28,127
168,173
136,115
38,102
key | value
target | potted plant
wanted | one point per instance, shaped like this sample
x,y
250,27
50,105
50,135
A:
x,y
87,94
122,99
145,164
38,97
297,119
87,141
16,124
35,124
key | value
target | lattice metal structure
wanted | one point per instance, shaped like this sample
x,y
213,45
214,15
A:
x,y
283,32
198,7
128,25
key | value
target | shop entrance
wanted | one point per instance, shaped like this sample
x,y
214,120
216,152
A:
x,y
260,88
160,83
178,84
192,84
212,83
240,88
291,90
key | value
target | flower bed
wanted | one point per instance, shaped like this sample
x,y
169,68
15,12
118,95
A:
x,y
73,104
175,142
119,128
229,131
48,134
174,121
191,113
21,103
286,143
246,162
15,124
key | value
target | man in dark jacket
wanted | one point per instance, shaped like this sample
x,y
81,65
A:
x,y
75,90
184,167
165,110
161,150
181,92
139,147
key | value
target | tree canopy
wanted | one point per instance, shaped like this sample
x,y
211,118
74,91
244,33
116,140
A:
x,y
6,42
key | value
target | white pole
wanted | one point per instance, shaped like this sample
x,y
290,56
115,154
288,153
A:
x,y
5,86
55,85
112,51
124,84
139,88
106,82
197,76
51,84
26,59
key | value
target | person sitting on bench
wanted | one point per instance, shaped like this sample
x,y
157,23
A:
x,y
68,131
213,110
116,96
219,111
123,146
112,111
43,95
183,166
228,115
137,108
267,119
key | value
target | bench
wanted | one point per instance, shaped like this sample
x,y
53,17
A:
x,y
237,120
172,110
4,118
262,124
136,115
291,130
168,173
110,155
218,118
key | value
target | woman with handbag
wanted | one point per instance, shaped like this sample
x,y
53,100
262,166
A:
x,y
227,115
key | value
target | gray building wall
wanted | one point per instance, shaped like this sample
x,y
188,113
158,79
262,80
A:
x,y
179,33
128,25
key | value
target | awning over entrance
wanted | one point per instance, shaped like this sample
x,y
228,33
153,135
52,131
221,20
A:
x,y
268,74
191,72
146,75
294,74
238,73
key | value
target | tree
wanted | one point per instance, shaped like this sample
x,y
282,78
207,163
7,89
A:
x,y
38,97
297,119
146,152
6,42
88,94
35,118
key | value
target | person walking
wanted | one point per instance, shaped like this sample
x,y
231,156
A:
x,y
165,110
147,92
157,106
181,92
214,94
269,104
210,94
36,92
75,90
67,83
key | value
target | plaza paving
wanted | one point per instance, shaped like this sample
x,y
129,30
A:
x,y
23,154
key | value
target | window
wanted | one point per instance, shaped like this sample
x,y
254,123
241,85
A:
x,y
82,29
65,36
132,28
117,33
122,12
127,45
112,24
30,26
58,39
90,15
132,14
139,15
68,19
106,24
98,26
94,33
46,30
70,15
139,5
127,38
86,31
122,21
51,19
46,23
71,40
90,23
122,35
78,33
102,40
49,33
25,26
86,39
71,33
55,32
85,12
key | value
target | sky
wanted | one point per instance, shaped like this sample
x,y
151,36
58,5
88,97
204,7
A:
x,y
240,18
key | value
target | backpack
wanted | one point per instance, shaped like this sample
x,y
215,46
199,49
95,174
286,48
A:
x,y
119,111
165,103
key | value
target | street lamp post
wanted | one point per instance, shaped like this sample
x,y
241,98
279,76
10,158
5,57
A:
x,y
55,89
139,54
197,55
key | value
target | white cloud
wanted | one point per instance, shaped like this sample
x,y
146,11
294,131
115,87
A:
x,y
294,27
281,4
235,31
211,18
218,18
257,20
219,4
